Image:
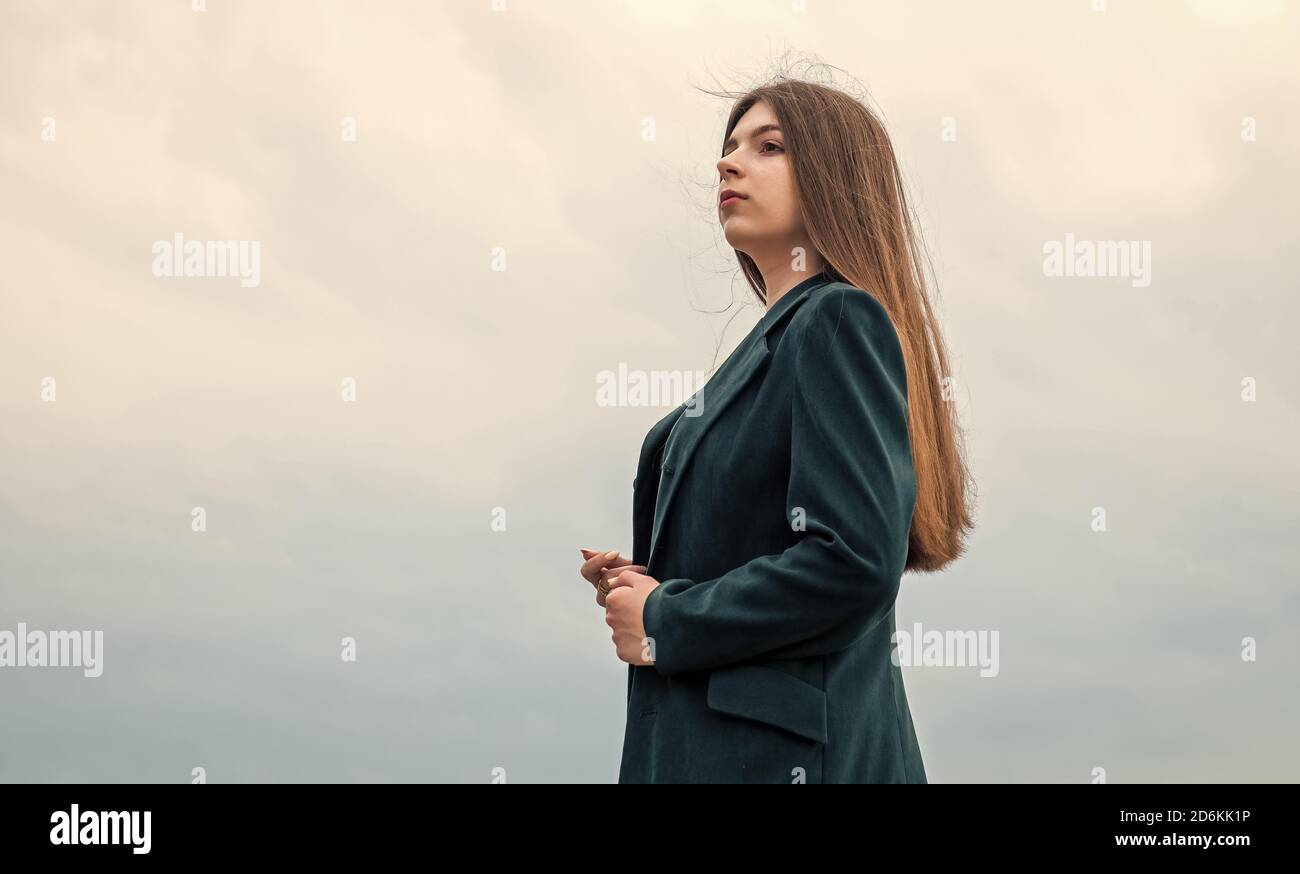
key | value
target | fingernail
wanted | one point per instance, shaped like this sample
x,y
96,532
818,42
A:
x,y
613,553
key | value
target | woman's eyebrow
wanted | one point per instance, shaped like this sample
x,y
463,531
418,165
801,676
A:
x,y
761,129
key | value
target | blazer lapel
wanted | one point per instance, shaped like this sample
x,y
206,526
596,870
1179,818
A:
x,y
645,488
712,401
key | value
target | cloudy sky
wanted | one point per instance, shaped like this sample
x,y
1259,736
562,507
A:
x,y
471,210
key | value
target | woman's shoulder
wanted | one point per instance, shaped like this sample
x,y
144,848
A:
x,y
830,305
843,329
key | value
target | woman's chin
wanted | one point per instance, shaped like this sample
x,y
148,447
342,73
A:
x,y
735,233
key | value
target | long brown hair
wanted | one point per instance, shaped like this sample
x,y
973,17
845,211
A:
x,y
857,216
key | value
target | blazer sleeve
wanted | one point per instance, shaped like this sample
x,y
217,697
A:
x,y
851,473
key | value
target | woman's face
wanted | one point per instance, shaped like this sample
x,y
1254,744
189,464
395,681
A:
x,y
765,222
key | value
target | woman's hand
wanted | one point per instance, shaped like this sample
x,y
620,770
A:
x,y
624,612
602,568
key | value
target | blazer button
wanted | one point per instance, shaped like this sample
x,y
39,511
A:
x,y
668,469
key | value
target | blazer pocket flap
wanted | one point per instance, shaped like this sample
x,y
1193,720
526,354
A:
x,y
769,695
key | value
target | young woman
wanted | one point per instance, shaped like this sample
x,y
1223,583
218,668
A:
x,y
776,510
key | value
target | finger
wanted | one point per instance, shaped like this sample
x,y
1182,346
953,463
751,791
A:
x,y
618,561
626,577
602,593
591,553
611,575
591,567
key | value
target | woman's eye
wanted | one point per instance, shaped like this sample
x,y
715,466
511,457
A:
x,y
771,143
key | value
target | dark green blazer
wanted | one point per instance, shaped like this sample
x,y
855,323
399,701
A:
x,y
777,524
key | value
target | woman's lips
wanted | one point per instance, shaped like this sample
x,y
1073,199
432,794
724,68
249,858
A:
x,y
729,201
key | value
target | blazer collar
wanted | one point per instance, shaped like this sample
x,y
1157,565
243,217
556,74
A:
x,y
788,302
